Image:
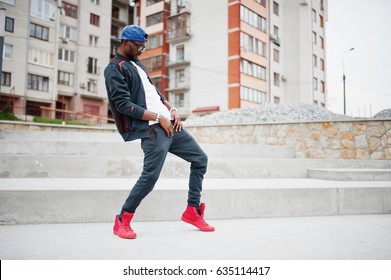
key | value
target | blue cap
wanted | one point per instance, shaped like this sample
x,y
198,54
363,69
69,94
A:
x,y
133,33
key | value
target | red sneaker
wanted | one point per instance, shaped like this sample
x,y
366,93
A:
x,y
123,229
192,217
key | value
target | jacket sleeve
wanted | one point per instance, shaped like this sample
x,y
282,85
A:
x,y
118,92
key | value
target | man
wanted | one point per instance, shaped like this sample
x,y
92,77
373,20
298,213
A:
x,y
141,112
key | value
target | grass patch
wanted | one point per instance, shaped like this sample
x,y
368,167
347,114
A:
x,y
56,121
8,116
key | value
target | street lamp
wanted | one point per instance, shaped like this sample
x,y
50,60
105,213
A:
x,y
344,78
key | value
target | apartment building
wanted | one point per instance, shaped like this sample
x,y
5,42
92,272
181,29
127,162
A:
x,y
55,54
203,55
241,53
297,49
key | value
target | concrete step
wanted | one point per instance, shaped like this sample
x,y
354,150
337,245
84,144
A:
x,y
69,135
47,147
113,148
345,174
26,166
81,200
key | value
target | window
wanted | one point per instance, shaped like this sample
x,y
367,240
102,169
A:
x,y
262,2
275,8
66,55
9,24
276,100
94,19
315,103
151,2
276,30
323,87
115,31
70,10
321,42
314,16
6,79
252,18
251,44
155,41
36,82
11,2
180,53
155,19
321,21
93,41
276,78
96,2
65,78
314,61
43,10
252,69
115,12
315,84
92,86
92,66
39,32
252,95
179,100
276,55
314,38
7,51
179,77
322,64
40,57
153,63
68,33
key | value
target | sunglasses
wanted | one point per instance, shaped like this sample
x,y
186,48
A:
x,y
140,47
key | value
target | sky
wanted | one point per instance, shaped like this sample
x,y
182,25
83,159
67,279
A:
x,y
365,26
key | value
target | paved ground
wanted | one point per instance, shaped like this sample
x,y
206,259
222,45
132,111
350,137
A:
x,y
365,237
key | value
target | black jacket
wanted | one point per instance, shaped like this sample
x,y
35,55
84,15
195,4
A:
x,y
126,96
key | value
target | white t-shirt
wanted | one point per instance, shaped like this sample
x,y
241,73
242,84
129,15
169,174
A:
x,y
154,103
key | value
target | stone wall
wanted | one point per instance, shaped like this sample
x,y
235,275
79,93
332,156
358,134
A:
x,y
355,139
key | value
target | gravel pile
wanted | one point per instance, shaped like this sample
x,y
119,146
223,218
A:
x,y
384,114
268,113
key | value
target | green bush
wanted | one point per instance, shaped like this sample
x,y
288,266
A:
x,y
55,121
9,116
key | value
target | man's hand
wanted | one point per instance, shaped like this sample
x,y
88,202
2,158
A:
x,y
177,120
167,126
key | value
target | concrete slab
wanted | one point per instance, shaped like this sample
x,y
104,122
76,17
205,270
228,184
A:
x,y
60,166
350,174
26,201
101,147
302,238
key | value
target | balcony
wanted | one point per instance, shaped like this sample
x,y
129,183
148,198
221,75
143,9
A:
x,y
178,88
179,24
178,35
180,63
181,7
